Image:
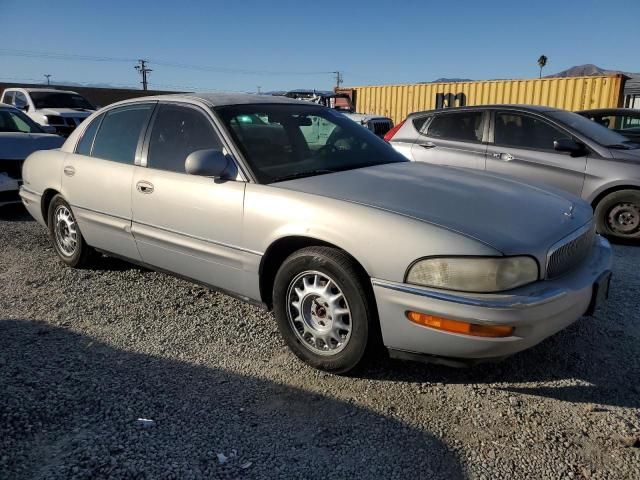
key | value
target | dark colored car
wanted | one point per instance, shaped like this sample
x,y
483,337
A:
x,y
625,121
536,144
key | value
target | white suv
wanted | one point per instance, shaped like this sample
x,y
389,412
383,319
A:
x,y
62,109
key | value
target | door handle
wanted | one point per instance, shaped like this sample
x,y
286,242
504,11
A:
x,y
507,157
144,187
69,171
428,145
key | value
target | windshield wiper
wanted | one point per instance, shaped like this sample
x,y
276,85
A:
x,y
620,146
308,173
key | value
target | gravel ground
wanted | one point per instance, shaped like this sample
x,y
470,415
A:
x,y
85,354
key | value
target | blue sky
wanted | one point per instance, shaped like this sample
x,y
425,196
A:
x,y
372,42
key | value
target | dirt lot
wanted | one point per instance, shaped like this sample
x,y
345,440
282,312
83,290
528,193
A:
x,y
85,354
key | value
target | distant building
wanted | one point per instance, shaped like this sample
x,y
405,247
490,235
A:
x,y
632,91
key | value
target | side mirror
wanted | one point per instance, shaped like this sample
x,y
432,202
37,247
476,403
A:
x,y
568,145
23,106
48,129
207,163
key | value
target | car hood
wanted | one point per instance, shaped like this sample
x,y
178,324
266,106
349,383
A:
x,y
66,112
363,117
18,146
510,216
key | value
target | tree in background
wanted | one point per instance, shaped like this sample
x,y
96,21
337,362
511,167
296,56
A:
x,y
542,61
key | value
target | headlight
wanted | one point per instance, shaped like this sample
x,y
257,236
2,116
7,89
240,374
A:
x,y
474,274
55,119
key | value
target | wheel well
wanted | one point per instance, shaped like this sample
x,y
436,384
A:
x,y
46,200
603,194
277,253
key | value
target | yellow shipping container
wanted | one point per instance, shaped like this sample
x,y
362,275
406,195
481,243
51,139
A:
x,y
571,93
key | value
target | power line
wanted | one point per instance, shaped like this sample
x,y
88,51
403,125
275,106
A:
x,y
165,63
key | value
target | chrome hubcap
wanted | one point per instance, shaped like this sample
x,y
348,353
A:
x,y
625,218
319,313
65,230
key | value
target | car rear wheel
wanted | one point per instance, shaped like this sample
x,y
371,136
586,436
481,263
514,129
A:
x,y
65,235
323,309
618,215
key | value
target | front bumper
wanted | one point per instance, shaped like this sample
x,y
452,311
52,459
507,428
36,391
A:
x,y
536,311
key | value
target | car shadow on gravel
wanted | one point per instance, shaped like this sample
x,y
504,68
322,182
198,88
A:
x,y
70,407
582,364
14,213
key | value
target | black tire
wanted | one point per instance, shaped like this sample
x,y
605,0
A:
x,y
351,281
83,255
618,215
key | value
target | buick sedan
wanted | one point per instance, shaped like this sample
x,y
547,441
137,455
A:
x,y
295,207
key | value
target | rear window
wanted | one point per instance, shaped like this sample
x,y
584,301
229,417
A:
x,y
463,126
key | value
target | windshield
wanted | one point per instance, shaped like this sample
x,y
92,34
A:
x,y
17,122
592,130
294,141
60,100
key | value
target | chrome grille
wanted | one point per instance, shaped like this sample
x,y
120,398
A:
x,y
571,253
380,127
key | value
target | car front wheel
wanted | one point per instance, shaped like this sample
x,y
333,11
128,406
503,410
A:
x,y
323,309
65,235
618,215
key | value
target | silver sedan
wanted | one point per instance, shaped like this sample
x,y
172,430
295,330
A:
x,y
295,207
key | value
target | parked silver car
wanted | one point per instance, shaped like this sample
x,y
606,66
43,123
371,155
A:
x,y
344,238
539,145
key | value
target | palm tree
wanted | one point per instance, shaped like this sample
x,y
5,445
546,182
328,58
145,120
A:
x,y
542,61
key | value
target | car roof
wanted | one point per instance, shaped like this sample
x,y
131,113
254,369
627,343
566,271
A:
x,y
220,99
526,108
609,110
45,90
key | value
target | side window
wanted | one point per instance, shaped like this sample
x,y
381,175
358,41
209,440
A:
x,y
177,132
630,121
7,98
86,142
419,122
117,138
524,131
464,126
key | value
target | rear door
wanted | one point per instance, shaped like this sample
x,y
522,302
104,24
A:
x,y
522,147
97,178
187,224
453,138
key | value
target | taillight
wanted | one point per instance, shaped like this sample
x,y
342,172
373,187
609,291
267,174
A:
x,y
389,135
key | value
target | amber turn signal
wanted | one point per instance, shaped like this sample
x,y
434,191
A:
x,y
457,326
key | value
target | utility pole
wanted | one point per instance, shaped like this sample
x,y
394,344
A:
x,y
339,78
48,76
143,70
259,87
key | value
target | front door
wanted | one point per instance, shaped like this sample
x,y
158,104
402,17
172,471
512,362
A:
x,y
452,138
523,148
97,178
186,224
